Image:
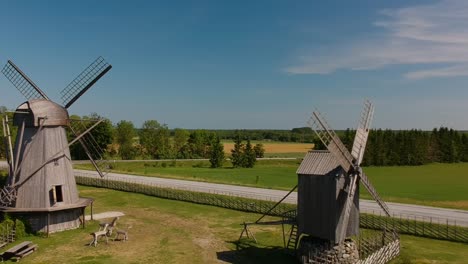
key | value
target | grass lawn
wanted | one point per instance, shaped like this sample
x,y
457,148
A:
x,y
276,174
443,185
166,231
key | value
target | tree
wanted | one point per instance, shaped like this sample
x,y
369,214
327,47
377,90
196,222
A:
x,y
216,153
124,134
155,139
249,155
199,142
237,157
102,136
259,150
180,142
13,130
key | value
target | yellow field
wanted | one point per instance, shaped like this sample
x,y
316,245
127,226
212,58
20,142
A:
x,y
277,147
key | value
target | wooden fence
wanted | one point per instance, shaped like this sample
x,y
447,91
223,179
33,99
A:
x,y
378,249
424,227
417,226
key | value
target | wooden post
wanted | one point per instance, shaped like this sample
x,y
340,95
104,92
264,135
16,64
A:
x,y
48,223
84,217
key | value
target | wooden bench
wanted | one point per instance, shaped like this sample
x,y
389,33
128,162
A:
x,y
122,232
30,249
19,251
96,235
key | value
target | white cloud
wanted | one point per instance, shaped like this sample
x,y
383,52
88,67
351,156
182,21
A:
x,y
435,34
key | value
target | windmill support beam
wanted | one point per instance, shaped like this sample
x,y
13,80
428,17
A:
x,y
274,206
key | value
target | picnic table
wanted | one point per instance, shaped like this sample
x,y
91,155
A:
x,y
19,251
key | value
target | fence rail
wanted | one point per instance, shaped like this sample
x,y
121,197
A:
x,y
425,227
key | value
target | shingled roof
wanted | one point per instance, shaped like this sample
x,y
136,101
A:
x,y
317,162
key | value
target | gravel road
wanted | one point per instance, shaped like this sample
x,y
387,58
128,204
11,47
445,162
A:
x,y
422,213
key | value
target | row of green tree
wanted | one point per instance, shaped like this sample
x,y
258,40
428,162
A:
x,y
412,147
156,141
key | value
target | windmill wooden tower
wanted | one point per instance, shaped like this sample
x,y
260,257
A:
x,y
328,186
41,186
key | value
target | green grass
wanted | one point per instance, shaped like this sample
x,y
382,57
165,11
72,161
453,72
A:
x,y
444,185
423,250
437,184
276,174
167,231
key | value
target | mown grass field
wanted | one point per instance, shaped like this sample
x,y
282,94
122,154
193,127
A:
x,y
277,174
166,231
444,185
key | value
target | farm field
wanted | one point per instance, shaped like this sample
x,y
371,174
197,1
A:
x,y
166,231
442,185
277,149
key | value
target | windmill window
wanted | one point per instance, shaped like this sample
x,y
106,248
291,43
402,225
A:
x,y
56,194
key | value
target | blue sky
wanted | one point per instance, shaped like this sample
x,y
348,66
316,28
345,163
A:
x,y
248,64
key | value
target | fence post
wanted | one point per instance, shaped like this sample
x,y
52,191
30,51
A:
x,y
455,226
423,227
447,229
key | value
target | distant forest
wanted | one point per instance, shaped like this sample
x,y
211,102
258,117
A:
x,y
154,140
385,147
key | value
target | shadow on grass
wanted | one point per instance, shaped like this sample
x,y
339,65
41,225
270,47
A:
x,y
250,252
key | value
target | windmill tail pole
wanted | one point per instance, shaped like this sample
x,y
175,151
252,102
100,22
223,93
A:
x,y
274,206
6,133
56,155
19,149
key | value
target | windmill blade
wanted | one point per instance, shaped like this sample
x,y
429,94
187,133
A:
x,y
347,207
362,132
331,140
370,188
90,145
22,82
84,81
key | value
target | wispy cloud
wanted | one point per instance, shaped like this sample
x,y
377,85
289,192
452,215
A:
x,y
433,35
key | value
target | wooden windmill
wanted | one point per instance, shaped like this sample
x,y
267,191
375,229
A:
x,y
328,192
41,186
327,197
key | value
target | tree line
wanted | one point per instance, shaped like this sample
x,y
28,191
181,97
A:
x,y
156,141
412,147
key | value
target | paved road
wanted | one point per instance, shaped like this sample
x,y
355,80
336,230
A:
x,y
425,213
422,213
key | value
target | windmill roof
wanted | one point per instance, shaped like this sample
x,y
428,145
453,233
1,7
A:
x,y
318,162
38,112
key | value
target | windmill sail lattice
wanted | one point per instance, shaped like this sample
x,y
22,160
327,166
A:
x,y
362,131
90,145
331,140
22,82
84,81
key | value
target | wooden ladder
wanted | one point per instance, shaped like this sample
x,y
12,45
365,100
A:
x,y
292,241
